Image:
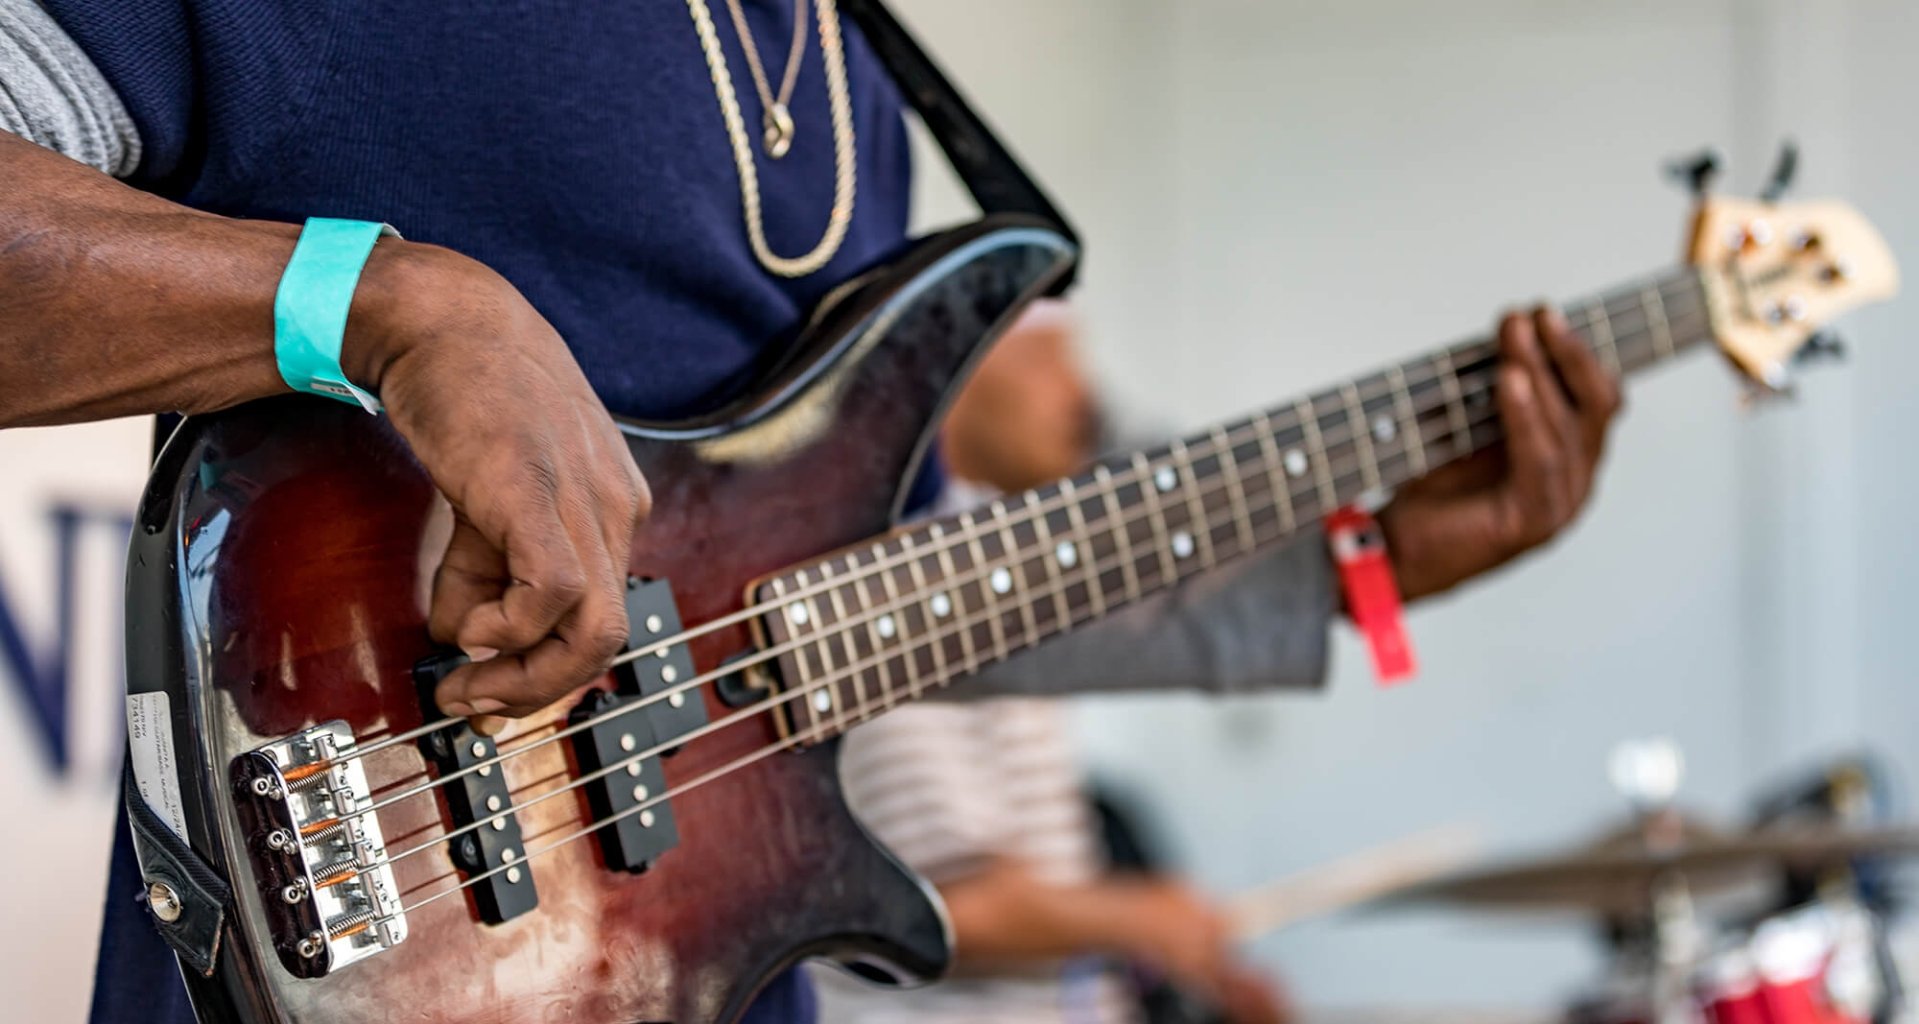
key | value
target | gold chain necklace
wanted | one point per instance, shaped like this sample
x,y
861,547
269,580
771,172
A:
x,y
775,116
844,153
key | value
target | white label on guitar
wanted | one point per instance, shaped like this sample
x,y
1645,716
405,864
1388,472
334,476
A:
x,y
150,744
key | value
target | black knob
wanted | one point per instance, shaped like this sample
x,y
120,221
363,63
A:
x,y
1696,172
1784,169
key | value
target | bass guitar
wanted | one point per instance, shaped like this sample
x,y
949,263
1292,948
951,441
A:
x,y
655,852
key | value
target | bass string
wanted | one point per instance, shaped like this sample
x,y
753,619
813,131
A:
x,y
1676,312
1212,486
711,775
839,629
935,638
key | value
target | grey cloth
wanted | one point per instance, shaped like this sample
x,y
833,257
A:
x,y
1259,623
1256,624
52,94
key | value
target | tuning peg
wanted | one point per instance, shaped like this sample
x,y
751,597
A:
x,y
1823,346
1784,169
1696,172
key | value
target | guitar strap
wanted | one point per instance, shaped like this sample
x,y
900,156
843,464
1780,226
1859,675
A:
x,y
994,177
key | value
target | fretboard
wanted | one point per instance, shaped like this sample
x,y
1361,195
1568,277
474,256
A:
x,y
882,623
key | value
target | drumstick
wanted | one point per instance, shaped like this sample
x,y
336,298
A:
x,y
1350,880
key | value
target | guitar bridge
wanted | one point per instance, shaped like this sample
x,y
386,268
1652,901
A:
x,y
319,860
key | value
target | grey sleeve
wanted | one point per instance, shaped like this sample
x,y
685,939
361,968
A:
x,y
1257,624
53,95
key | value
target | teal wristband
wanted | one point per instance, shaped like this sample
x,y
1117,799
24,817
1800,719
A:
x,y
310,309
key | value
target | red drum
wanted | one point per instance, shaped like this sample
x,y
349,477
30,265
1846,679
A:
x,y
1798,968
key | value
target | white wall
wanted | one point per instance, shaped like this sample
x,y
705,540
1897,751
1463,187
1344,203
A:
x,y
1278,195
57,826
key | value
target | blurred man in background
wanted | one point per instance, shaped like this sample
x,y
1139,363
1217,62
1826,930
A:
x,y
987,799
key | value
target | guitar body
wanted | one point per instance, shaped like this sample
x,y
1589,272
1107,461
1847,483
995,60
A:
x,y
279,578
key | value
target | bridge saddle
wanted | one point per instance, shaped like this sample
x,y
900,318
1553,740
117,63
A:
x,y
319,859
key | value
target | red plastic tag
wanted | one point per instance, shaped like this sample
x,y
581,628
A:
x,y
1372,594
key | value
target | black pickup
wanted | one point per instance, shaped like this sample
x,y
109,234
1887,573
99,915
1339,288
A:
x,y
494,849
632,788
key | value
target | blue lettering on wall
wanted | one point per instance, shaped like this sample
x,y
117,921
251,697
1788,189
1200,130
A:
x,y
45,678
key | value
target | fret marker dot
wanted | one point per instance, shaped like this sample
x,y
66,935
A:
x,y
822,700
640,792
1295,462
796,614
677,699
1165,479
1384,429
668,673
1067,554
1002,580
633,768
646,819
886,627
1182,544
942,605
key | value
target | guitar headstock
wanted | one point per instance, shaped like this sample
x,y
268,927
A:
x,y
1776,274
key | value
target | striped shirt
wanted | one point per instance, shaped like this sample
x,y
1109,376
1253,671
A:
x,y
950,787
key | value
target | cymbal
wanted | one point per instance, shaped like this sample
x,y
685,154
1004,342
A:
x,y
1617,877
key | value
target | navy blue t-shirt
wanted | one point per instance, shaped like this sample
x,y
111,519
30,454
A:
x,y
574,146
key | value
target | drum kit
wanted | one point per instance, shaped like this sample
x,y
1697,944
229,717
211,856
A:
x,y
1783,922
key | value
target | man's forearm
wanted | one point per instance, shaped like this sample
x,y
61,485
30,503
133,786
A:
x,y
1005,915
114,302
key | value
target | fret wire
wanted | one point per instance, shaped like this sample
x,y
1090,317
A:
x,y
1019,572
1600,328
990,596
955,591
1362,436
1270,462
1236,487
1196,520
1403,402
1094,588
919,598
1656,309
893,602
1049,555
1455,403
800,631
846,639
825,652
1307,411
887,698
799,659
1156,515
1129,573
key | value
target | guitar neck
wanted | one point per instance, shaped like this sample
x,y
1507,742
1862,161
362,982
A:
x,y
876,625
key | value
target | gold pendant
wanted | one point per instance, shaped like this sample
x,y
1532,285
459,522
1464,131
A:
x,y
779,131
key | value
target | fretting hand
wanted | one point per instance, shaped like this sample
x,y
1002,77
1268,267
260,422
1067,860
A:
x,y
1556,404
